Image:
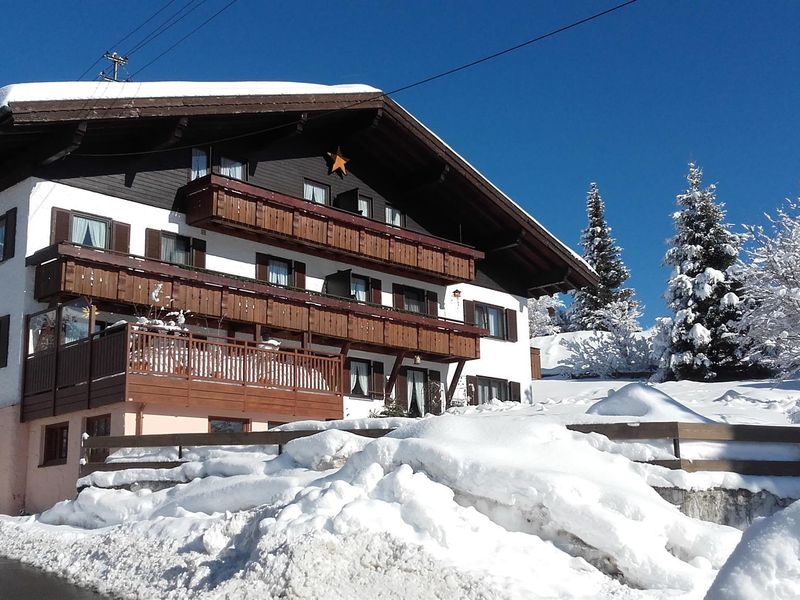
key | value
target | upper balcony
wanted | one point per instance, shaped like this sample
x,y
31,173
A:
x,y
231,206
67,270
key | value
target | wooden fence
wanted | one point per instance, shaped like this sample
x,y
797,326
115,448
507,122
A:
x,y
706,432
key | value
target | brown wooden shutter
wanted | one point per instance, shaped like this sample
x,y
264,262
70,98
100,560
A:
x,y
398,301
432,303
152,244
378,380
514,391
299,274
198,253
120,237
401,388
11,234
4,326
262,264
347,389
511,325
435,386
469,312
376,292
59,227
472,390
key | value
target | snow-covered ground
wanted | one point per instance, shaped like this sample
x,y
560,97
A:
x,y
496,501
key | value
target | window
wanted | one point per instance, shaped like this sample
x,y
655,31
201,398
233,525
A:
x,y
414,300
5,322
235,169
98,426
56,438
74,321
394,216
359,377
365,206
199,163
228,425
491,389
316,192
491,318
416,382
3,237
176,249
278,271
89,231
8,234
359,288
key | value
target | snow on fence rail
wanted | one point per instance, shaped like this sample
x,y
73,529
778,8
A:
x,y
181,440
706,432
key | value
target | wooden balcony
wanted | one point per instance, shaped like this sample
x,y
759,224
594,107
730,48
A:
x,y
67,270
127,363
231,206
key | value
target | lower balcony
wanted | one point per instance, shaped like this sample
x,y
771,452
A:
x,y
129,364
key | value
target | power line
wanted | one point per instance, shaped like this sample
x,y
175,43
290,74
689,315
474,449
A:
x,y
129,34
168,24
377,96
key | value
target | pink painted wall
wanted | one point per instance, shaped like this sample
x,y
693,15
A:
x,y
13,458
158,419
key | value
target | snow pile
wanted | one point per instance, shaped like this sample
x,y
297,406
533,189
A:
x,y
645,402
766,563
486,505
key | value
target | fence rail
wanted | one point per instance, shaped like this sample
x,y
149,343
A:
x,y
706,432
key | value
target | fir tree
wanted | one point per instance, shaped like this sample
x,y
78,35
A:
x,y
702,290
603,254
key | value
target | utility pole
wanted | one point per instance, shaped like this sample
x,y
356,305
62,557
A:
x,y
117,61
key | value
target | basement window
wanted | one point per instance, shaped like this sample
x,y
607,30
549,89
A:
x,y
56,439
228,425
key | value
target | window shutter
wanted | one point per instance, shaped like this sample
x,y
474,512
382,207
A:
x,y
432,301
378,380
347,200
262,262
514,391
152,244
59,228
4,323
376,292
347,376
435,385
299,274
401,388
11,234
472,390
339,284
511,325
120,237
469,312
397,296
198,253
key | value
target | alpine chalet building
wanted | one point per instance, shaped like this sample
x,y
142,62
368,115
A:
x,y
192,257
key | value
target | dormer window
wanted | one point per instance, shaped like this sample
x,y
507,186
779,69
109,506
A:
x,y
316,192
235,169
200,163
394,216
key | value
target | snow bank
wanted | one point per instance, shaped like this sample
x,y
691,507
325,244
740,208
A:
x,y
766,563
646,403
103,90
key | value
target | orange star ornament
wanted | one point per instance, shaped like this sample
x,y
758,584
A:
x,y
338,162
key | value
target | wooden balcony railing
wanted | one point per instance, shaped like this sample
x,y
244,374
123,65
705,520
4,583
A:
x,y
128,363
71,270
223,204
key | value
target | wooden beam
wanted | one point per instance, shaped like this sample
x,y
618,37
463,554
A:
x,y
555,278
451,389
345,348
67,147
507,246
398,362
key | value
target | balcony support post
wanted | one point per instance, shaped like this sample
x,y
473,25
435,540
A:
x,y
398,362
451,389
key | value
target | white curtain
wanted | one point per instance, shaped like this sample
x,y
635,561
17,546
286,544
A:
x,y
359,378
278,273
314,193
393,216
231,168
363,207
495,327
199,163
89,232
175,249
416,390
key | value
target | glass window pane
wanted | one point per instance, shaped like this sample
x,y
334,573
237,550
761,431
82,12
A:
x,y
314,192
175,249
394,216
414,301
89,232
232,168
199,163
359,377
278,272
227,425
42,332
359,289
74,322
2,238
364,206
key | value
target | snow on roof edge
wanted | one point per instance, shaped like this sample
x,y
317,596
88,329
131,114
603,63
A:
x,y
569,250
102,90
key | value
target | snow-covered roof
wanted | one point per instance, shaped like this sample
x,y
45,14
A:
x,y
109,90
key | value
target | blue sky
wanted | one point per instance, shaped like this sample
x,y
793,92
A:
x,y
625,101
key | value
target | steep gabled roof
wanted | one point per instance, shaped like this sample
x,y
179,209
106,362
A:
x,y
93,119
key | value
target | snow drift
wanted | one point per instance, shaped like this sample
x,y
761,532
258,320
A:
x,y
646,403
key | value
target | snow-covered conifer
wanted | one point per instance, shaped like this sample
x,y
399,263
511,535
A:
x,y
602,252
702,286
544,315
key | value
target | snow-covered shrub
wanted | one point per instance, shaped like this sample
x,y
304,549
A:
x,y
544,315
